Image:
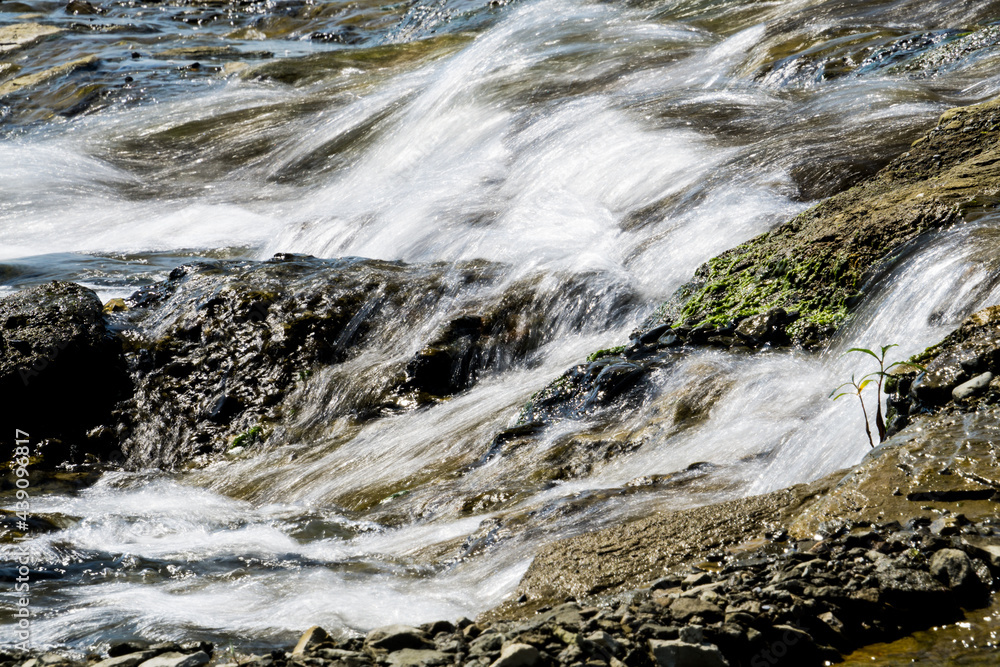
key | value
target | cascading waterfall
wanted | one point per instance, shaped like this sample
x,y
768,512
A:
x,y
625,142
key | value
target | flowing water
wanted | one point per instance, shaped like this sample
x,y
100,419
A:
x,y
623,143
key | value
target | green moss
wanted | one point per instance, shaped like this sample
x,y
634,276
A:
x,y
771,271
249,437
608,352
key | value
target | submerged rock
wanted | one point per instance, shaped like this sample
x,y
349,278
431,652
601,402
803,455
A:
x,y
19,35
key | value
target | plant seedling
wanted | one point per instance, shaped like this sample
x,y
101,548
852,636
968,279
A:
x,y
881,374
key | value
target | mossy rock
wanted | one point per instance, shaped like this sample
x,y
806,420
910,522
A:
x,y
820,263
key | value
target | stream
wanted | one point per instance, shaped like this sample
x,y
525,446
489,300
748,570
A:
x,y
617,144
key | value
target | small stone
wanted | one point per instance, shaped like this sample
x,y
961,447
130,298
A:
x,y
344,658
172,659
311,638
653,631
654,333
972,387
81,7
517,655
832,622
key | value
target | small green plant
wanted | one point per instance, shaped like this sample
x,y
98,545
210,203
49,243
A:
x,y
878,377
248,438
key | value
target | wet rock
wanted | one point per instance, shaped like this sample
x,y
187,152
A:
x,y
764,328
31,80
946,525
82,7
19,35
654,334
696,579
61,371
683,610
675,653
218,348
972,387
409,657
815,262
124,648
914,591
311,639
937,384
517,655
954,569
490,642
392,638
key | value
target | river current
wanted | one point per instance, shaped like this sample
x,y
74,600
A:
x,y
626,142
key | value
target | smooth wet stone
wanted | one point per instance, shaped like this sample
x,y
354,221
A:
x,y
972,387
19,35
311,638
30,80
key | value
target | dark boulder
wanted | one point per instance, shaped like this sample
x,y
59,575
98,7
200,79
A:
x,y
954,569
61,372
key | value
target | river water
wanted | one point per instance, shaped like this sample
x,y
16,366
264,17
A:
x,y
624,142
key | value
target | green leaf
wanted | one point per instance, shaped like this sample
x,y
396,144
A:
x,y
864,350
